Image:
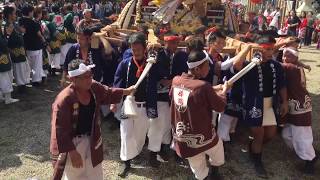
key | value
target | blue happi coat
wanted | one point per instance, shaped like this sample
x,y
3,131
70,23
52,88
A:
x,y
234,99
167,67
253,95
125,77
94,57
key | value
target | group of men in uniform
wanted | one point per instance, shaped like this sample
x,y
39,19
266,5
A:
x,y
177,105
35,43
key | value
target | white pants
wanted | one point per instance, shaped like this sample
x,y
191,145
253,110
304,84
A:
x,y
36,62
6,82
133,133
226,125
21,72
160,128
198,163
64,50
300,139
87,172
54,60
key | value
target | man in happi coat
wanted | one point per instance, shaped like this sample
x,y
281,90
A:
x,y
5,69
191,111
54,42
69,24
297,132
170,63
76,143
264,99
221,68
83,50
21,69
134,130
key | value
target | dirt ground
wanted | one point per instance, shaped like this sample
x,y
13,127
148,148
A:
x,y
25,133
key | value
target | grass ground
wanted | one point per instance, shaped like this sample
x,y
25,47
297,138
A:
x,y
25,132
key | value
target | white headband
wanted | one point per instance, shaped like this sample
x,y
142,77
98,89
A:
x,y
192,65
81,70
291,51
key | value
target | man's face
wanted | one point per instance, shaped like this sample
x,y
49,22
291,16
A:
x,y
83,40
84,81
87,15
138,51
289,58
219,44
172,45
267,52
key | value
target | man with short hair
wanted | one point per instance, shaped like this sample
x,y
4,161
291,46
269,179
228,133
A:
x,y
70,26
264,95
76,142
133,130
82,50
34,42
87,21
220,68
192,102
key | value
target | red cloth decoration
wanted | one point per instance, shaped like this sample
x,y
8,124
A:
x,y
211,30
140,67
171,38
267,45
256,1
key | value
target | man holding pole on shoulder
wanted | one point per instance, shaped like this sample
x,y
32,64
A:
x,y
134,129
264,95
191,111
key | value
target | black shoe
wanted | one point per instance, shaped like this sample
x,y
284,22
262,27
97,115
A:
x,y
215,173
125,169
153,162
36,84
309,166
181,162
232,138
258,166
53,72
164,152
44,81
50,70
